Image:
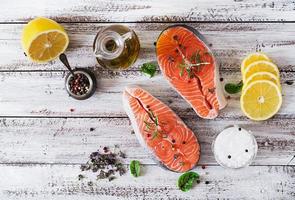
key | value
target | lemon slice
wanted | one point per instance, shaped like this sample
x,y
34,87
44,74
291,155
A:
x,y
44,40
253,57
262,76
260,66
261,100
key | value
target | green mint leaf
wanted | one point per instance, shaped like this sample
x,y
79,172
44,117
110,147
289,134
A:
x,y
186,181
135,168
148,69
232,88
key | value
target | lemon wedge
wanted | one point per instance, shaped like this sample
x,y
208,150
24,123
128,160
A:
x,y
44,40
260,66
262,76
253,57
261,99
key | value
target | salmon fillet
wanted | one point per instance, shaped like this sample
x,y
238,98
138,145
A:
x,y
190,67
161,131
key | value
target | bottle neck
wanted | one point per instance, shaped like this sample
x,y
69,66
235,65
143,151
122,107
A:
x,y
109,45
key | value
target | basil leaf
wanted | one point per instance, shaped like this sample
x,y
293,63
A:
x,y
232,88
135,168
148,69
186,180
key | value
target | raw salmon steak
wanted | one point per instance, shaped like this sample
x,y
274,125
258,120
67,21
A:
x,y
161,131
190,67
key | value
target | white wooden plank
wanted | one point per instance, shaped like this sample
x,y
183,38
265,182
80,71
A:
x,y
58,182
152,10
60,140
43,94
230,43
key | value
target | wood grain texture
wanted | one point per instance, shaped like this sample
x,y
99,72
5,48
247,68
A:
x,y
152,10
229,42
60,182
45,135
70,140
43,94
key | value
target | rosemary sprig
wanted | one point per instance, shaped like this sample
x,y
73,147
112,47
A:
x,y
155,121
195,61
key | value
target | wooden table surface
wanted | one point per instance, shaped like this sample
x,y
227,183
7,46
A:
x,y
45,135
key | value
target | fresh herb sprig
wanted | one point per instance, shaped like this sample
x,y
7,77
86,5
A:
x,y
154,123
135,168
186,181
149,69
233,88
194,62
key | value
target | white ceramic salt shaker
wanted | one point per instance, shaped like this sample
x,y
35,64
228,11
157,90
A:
x,y
234,147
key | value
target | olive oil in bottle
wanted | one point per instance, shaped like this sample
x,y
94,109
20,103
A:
x,y
116,47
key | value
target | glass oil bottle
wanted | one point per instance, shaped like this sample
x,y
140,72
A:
x,y
116,47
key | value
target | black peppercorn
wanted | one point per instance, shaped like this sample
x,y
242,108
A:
x,y
81,85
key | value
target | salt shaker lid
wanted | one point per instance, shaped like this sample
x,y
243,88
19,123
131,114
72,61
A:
x,y
234,147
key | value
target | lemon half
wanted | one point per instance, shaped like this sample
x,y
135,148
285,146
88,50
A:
x,y
44,40
261,99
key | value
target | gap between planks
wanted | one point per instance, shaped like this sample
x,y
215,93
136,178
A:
x,y
159,22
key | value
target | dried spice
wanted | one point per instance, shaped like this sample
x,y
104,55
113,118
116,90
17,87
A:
x,y
80,177
106,163
79,84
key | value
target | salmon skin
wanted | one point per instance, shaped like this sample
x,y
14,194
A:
x,y
190,67
161,131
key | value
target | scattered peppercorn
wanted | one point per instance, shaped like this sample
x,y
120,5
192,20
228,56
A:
x,y
92,129
122,155
203,166
106,164
175,37
79,84
90,183
173,141
80,177
207,182
221,79
198,181
72,109
289,82
132,132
